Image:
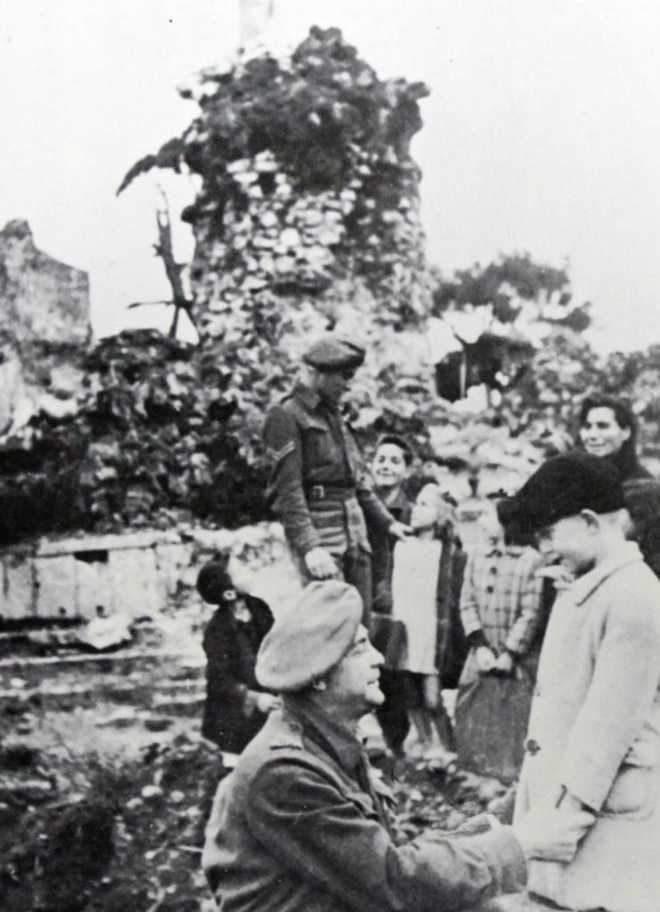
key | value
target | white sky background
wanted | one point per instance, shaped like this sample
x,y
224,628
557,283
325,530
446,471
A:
x,y
542,133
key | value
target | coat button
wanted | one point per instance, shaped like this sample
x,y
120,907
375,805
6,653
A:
x,y
532,746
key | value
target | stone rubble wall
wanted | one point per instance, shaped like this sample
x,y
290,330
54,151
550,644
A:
x,y
44,328
140,574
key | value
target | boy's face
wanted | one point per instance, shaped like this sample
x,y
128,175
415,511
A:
x,y
389,466
573,540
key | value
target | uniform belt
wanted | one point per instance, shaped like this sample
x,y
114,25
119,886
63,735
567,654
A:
x,y
329,492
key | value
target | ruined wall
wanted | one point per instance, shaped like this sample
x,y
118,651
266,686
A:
x,y
44,328
138,573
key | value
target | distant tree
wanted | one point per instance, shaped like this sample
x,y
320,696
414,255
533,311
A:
x,y
164,249
499,313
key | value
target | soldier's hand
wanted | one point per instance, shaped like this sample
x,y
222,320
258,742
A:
x,y
552,835
485,658
400,530
320,564
267,702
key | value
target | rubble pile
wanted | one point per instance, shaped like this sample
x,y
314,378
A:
x,y
117,832
44,330
153,443
308,203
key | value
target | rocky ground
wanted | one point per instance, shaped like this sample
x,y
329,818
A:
x,y
105,781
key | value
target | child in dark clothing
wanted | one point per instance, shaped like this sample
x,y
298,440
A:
x,y
236,706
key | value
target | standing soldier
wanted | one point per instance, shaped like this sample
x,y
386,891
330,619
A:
x,y
318,485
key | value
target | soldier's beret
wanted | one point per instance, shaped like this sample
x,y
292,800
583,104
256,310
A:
x,y
563,486
332,353
306,641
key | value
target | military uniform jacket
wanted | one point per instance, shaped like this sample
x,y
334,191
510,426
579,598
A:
x,y
318,485
301,826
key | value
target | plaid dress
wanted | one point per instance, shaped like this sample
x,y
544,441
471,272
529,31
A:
x,y
501,597
501,603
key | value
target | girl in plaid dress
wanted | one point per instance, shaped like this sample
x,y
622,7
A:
x,y
501,609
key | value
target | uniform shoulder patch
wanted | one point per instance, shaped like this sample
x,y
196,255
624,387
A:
x,y
290,738
277,455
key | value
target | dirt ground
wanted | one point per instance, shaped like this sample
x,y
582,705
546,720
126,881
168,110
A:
x,y
99,812
105,784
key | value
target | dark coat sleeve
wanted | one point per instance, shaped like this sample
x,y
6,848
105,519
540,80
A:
x,y
262,615
327,837
451,643
286,493
220,647
375,512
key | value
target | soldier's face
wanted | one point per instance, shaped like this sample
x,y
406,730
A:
x,y
332,385
354,683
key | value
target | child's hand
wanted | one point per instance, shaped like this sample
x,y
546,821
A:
x,y
504,663
267,702
400,531
485,658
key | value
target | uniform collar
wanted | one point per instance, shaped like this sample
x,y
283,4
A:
x,y
312,401
307,396
315,723
584,586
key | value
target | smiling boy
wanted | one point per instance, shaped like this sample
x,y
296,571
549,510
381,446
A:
x,y
594,731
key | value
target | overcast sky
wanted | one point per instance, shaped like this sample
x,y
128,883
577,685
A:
x,y
542,133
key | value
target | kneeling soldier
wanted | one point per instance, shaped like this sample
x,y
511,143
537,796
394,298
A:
x,y
302,823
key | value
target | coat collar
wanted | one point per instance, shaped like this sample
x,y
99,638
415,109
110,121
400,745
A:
x,y
499,549
399,502
584,586
343,745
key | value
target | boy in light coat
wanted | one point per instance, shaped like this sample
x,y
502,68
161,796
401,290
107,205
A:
x,y
594,731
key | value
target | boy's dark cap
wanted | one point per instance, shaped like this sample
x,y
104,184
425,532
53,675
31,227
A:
x,y
564,486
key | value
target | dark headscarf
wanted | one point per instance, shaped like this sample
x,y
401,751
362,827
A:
x,y
642,497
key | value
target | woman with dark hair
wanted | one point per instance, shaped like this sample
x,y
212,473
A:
x,y
642,496
608,429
